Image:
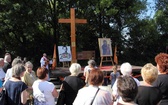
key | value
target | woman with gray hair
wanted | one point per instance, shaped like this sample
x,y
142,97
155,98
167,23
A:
x,y
126,70
72,84
29,78
15,88
9,71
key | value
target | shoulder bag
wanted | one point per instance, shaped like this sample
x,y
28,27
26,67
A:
x,y
3,97
95,96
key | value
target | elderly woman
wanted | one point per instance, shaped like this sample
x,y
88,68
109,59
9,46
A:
x,y
126,70
91,65
15,88
93,95
44,92
161,82
147,94
29,78
72,83
9,71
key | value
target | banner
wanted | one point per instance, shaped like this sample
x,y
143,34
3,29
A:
x,y
105,47
64,53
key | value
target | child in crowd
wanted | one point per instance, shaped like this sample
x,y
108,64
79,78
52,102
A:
x,y
114,75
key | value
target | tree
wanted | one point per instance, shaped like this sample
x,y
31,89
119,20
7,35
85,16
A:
x,y
25,23
140,45
162,22
23,28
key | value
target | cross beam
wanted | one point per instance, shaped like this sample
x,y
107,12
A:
x,y
73,22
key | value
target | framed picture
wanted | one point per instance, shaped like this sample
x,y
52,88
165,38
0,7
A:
x,y
105,46
64,53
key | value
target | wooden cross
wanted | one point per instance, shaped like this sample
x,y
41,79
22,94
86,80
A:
x,y
73,21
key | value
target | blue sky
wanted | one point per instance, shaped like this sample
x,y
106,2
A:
x,y
150,8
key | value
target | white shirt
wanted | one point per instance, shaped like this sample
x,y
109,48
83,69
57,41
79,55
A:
x,y
42,91
42,61
8,74
86,69
2,74
86,95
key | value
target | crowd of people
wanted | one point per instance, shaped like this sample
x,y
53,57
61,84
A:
x,y
22,85
25,87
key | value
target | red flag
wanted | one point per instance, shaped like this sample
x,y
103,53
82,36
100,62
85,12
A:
x,y
54,63
115,55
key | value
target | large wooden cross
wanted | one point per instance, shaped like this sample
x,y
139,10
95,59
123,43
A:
x,y
73,21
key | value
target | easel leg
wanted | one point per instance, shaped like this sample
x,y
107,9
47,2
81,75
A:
x,y
101,61
106,60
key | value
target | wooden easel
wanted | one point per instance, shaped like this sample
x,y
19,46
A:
x,y
107,59
65,64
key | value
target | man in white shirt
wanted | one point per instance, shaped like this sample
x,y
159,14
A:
x,y
45,63
44,60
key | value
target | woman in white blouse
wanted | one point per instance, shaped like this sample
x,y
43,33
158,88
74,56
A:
x,y
91,95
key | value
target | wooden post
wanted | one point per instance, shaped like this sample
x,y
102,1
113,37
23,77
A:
x,y
73,22
115,55
54,58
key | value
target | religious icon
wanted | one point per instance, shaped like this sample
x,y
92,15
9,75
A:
x,y
105,47
64,53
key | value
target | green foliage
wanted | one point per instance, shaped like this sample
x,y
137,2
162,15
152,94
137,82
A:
x,y
162,22
30,27
142,42
23,28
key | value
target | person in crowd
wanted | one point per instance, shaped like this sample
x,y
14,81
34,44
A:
x,y
91,65
15,88
161,82
126,70
147,94
50,63
127,90
7,62
24,60
1,86
9,71
45,63
114,75
44,92
29,78
44,60
2,73
72,83
93,95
